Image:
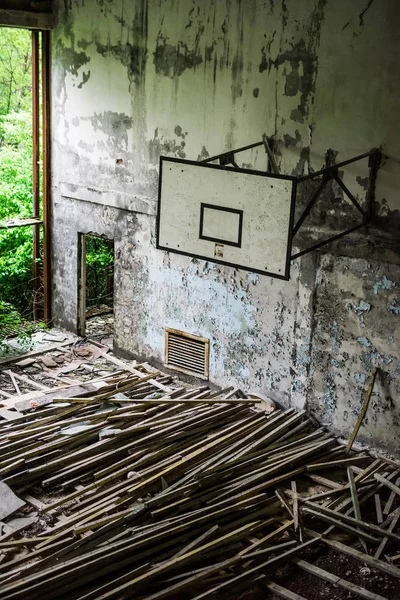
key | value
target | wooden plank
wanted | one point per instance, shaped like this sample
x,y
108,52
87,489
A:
x,y
15,384
10,415
366,558
336,581
249,572
385,540
266,538
387,483
363,411
5,361
378,509
120,363
355,502
337,522
26,19
282,592
197,541
344,462
337,516
298,524
390,500
31,382
334,485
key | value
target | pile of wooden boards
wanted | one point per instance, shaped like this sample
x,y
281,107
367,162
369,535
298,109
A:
x,y
152,491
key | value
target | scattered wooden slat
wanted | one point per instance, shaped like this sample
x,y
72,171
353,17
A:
x,y
363,411
189,494
378,508
365,558
14,382
394,488
337,581
385,540
282,592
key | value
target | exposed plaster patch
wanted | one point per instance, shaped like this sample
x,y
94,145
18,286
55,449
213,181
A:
x,y
395,307
161,146
360,377
383,284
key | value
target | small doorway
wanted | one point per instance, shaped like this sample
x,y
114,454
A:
x,y
96,288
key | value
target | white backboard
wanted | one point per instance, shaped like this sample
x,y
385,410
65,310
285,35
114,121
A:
x,y
237,217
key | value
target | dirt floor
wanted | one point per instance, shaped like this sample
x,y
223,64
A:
x,y
314,588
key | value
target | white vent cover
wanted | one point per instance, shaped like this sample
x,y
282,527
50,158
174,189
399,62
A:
x,y
187,353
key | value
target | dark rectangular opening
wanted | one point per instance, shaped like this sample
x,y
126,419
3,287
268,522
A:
x,y
96,288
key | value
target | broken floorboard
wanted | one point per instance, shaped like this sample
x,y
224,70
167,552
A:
x,y
174,492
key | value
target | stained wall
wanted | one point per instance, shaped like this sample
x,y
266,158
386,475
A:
x,y
192,78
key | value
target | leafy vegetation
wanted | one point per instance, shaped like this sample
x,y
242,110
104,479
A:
x,y
99,272
16,244
15,177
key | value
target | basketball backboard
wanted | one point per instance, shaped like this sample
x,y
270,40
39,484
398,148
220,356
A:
x,y
237,217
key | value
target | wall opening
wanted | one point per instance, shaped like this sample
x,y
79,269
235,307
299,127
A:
x,y
96,288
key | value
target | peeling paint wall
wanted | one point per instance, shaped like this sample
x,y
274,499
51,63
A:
x,y
191,78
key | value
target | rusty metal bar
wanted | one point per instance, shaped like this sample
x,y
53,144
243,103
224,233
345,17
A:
x,y
45,38
35,170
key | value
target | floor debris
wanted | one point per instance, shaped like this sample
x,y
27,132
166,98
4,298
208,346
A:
x,y
140,486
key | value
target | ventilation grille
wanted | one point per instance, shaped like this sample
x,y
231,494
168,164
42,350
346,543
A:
x,y
187,353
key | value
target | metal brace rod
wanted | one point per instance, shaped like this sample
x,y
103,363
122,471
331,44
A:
x,y
310,204
224,154
338,165
331,239
349,194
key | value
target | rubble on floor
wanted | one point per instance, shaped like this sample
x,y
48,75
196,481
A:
x,y
123,482
100,325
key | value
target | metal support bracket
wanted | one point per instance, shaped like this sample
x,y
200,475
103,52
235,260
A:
x,y
228,158
332,173
327,174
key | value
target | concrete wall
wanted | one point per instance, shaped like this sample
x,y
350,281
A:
x,y
191,78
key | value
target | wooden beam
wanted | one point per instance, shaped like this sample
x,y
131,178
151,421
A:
x,y
26,19
36,168
46,136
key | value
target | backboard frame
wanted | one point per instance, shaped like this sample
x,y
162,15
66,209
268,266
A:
x,y
267,175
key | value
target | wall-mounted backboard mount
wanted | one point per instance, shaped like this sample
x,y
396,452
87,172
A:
x,y
237,217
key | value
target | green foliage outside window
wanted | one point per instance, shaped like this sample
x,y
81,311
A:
x,y
15,177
